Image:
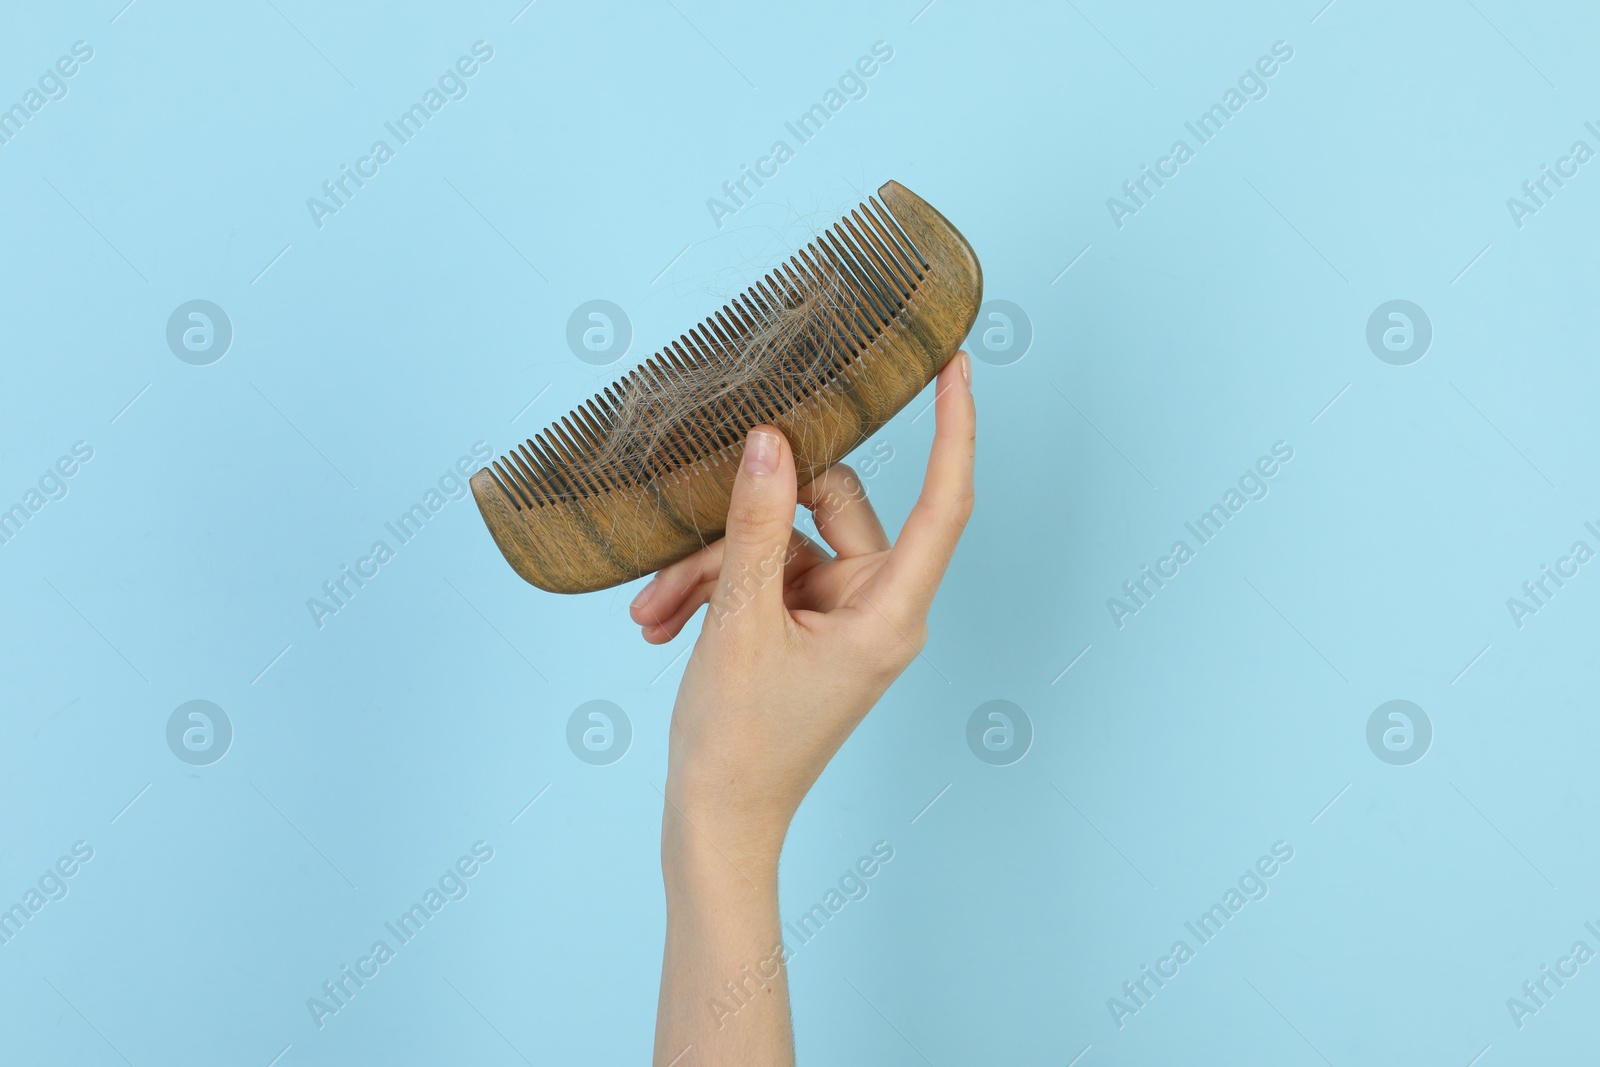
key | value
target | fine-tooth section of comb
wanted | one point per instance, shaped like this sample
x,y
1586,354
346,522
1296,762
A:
x,y
827,347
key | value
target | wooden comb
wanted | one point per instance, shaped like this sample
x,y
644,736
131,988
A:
x,y
842,337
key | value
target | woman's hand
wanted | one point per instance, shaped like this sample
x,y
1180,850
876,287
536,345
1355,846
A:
x,y
798,644
796,648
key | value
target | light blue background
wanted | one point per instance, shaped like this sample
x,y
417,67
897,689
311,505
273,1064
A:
x,y
426,315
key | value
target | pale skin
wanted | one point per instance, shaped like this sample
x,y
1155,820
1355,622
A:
x,y
783,671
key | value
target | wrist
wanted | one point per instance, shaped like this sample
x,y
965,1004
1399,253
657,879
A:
x,y
706,840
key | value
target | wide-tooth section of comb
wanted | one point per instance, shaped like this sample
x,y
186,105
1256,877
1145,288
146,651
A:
x,y
827,346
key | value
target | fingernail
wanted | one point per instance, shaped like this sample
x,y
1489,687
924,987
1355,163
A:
x,y
644,596
761,452
966,369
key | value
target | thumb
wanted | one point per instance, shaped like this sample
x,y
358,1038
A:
x,y
760,517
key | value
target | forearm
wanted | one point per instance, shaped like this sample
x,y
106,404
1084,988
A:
x,y
724,989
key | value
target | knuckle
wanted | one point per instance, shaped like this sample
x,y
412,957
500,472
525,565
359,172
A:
x,y
748,522
847,477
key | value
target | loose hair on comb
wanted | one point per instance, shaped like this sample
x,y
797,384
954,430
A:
x,y
764,343
827,348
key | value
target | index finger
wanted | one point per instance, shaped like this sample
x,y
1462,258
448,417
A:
x,y
910,577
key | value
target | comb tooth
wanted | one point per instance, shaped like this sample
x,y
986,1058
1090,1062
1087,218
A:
x,y
680,371
864,271
600,428
781,292
765,299
731,322
646,382
574,458
604,417
676,440
575,440
706,337
908,263
558,466
497,476
869,260
862,296
604,423
900,234
847,326
892,268
679,364
813,281
810,341
765,405
786,298
710,339
578,435
684,364
613,402
841,349
768,396
729,341
680,440
587,444
591,441
727,406
554,472
591,430
747,312
851,283
536,464
541,471
693,359
515,462
780,392
650,464
759,304
670,370
733,332
503,478
750,311
854,304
